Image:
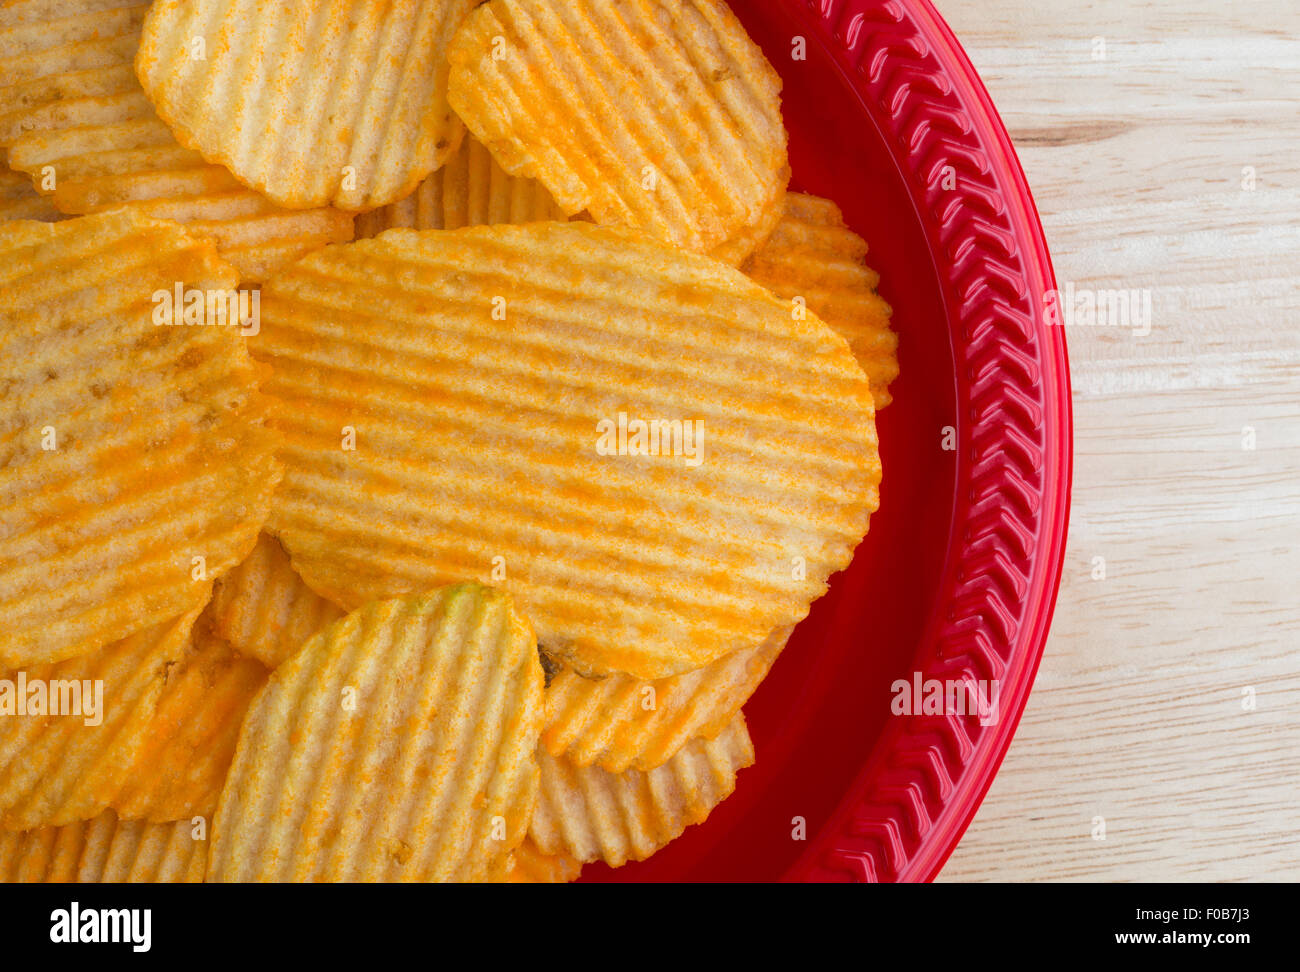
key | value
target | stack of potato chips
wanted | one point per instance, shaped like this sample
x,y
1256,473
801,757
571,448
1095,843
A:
x,y
451,553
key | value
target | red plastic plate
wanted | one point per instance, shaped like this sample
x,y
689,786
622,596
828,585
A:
x,y
958,576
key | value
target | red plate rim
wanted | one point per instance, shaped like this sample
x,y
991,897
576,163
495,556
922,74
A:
x,y
906,810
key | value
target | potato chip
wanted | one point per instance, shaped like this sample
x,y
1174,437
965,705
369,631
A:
x,y
263,608
135,463
814,257
74,118
469,190
396,745
620,723
343,102
655,456
191,740
595,815
18,200
104,850
530,866
660,115
72,733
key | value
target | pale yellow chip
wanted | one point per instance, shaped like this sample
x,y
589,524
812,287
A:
x,y
620,723
815,258
339,102
191,738
451,407
70,758
594,815
264,609
105,850
135,462
660,115
18,200
471,189
396,745
74,118
528,865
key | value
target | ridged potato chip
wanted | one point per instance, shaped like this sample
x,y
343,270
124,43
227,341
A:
x,y
18,200
471,189
620,723
308,101
264,609
59,768
396,745
595,815
191,738
814,256
528,865
135,461
74,118
104,850
464,404
661,115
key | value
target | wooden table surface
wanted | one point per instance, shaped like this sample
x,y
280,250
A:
x,y
1162,142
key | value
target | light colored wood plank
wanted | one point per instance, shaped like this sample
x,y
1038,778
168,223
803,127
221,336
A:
x,y
1137,167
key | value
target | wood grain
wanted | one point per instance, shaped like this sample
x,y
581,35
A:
x,y
1138,162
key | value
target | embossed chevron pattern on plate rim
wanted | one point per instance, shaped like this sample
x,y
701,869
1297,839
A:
x,y
909,806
